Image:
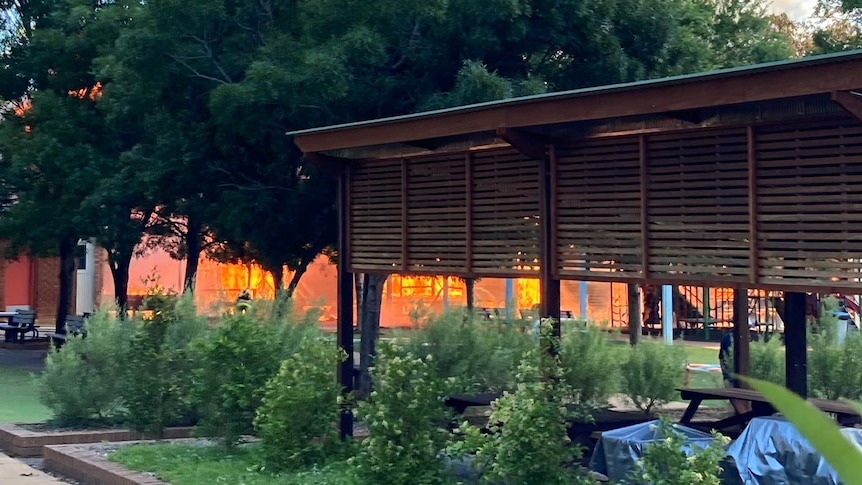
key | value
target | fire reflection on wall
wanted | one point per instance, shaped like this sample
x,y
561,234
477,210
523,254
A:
x,y
218,285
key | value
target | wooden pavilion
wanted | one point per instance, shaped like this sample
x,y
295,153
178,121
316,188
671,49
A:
x,y
743,178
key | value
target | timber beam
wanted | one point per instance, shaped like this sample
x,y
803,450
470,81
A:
x,y
526,143
329,164
851,101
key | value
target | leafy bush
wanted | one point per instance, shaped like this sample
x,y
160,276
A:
x,y
529,442
767,360
406,421
834,370
234,364
480,356
591,367
652,373
300,407
157,391
665,462
82,383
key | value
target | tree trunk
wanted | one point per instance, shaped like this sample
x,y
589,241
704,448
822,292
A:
x,y
120,264
277,273
372,299
193,253
470,289
294,280
67,273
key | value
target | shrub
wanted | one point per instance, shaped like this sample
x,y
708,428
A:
x,y
480,356
82,383
651,374
300,407
591,367
157,391
767,360
834,370
529,442
665,461
233,366
406,421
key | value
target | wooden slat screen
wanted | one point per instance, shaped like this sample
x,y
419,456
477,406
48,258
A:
x,y
505,213
437,214
809,194
375,216
598,208
698,206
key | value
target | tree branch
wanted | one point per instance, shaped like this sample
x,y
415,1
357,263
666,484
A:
x,y
195,71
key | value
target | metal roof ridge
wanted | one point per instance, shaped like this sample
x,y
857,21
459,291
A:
x,y
606,88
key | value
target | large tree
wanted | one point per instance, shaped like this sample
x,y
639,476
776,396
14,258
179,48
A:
x,y
55,144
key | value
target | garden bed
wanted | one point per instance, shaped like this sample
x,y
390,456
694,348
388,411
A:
x,y
27,441
88,465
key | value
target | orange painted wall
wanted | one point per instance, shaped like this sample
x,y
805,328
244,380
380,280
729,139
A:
x,y
18,282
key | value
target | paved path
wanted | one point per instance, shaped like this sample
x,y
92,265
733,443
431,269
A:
x,y
15,472
31,360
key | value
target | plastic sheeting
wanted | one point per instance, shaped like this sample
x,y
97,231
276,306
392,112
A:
x,y
618,450
770,451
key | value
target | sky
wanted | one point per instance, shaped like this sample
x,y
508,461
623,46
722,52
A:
x,y
796,9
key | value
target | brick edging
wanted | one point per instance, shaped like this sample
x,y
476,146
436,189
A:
x,y
88,467
20,442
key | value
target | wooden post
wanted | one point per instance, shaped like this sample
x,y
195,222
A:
x,y
795,343
549,285
345,302
635,326
741,333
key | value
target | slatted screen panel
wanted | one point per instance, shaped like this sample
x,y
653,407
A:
x,y
698,205
375,222
437,214
505,213
809,194
598,208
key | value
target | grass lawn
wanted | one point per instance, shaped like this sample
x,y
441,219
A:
x,y
20,392
196,465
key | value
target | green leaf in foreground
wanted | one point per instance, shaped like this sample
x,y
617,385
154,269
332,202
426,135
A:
x,y
823,434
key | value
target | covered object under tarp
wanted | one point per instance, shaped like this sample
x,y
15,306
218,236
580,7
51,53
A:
x,y
617,451
772,452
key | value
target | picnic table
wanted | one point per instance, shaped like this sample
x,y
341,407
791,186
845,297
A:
x,y
845,414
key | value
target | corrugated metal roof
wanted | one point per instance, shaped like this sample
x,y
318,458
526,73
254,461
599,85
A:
x,y
667,81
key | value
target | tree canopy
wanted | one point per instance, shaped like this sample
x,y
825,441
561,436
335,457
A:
x,y
166,118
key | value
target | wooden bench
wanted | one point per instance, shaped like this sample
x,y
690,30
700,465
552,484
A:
x,y
20,324
460,402
74,325
845,414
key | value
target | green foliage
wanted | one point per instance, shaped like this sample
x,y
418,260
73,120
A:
x,y
591,367
822,432
529,442
480,356
183,464
406,421
234,364
159,367
296,422
665,463
652,373
834,370
767,360
83,383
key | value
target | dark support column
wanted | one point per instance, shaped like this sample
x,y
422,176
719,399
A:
x,y
345,304
549,285
635,324
741,333
796,345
